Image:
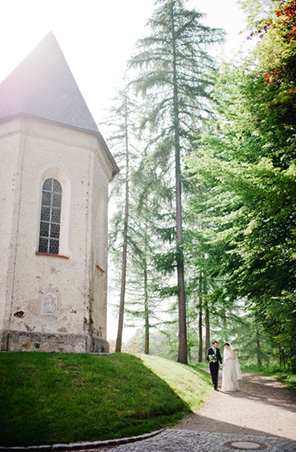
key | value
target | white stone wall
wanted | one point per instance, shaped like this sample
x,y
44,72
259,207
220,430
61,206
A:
x,y
9,182
61,299
99,253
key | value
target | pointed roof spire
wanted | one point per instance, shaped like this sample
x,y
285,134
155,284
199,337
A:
x,y
43,86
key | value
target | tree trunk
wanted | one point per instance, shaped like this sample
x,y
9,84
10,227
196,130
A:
x,y
147,333
258,347
207,338
200,346
123,280
145,274
282,357
182,346
146,295
125,233
206,309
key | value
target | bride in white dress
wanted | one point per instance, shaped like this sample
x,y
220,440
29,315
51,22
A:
x,y
231,370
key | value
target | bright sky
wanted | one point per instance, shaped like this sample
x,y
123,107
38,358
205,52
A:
x,y
97,37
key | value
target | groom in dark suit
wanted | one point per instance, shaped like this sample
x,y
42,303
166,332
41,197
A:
x,y
214,358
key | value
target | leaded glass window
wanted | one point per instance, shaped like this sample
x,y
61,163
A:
x,y
50,217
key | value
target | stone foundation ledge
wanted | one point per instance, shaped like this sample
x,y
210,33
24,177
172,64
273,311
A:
x,y
45,342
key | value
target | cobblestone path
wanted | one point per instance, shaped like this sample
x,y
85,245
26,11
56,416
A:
x,y
174,440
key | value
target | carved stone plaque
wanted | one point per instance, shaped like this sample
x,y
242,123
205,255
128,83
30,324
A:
x,y
49,303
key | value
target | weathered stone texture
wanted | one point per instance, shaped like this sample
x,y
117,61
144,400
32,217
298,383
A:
x,y
61,296
52,302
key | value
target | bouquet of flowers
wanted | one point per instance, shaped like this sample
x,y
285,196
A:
x,y
212,358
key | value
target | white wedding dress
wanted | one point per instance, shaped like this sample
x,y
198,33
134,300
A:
x,y
231,371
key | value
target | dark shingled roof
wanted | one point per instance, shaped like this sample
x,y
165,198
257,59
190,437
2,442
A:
x,y
43,86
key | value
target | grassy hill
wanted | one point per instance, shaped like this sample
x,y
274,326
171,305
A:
x,y
50,398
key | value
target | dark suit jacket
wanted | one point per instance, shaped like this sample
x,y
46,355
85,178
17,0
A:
x,y
217,353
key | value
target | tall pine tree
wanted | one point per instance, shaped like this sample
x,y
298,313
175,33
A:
x,y
175,78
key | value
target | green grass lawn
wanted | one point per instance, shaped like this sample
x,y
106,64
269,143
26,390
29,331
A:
x,y
50,398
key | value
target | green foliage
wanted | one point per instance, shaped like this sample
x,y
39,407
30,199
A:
x,y
174,57
239,225
244,186
163,342
61,398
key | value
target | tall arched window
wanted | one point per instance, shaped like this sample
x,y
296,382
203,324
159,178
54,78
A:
x,y
50,217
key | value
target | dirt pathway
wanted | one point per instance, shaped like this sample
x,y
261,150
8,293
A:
x,y
263,406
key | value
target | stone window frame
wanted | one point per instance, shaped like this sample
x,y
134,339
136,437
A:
x,y
50,218
65,181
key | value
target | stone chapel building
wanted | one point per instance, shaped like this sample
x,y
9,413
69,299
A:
x,y
54,173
